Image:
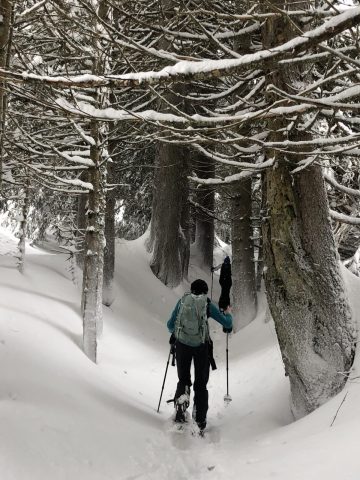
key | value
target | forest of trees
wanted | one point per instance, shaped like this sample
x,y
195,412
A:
x,y
198,120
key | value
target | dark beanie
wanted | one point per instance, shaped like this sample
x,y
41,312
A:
x,y
199,287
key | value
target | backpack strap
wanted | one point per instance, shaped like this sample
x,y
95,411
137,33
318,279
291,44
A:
x,y
203,323
178,323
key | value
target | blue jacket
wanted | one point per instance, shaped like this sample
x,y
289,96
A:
x,y
225,319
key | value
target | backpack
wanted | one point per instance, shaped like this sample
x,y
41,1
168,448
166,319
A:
x,y
191,325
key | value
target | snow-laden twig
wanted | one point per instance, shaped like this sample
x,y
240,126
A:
x,y
26,14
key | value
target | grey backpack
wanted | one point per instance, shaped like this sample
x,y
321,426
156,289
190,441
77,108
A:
x,y
191,325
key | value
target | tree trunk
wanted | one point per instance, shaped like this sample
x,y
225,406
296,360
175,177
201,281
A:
x,y
81,226
93,273
94,252
22,227
109,252
243,265
6,14
305,290
243,271
169,240
170,232
185,225
205,198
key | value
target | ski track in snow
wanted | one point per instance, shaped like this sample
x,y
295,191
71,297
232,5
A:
x,y
64,418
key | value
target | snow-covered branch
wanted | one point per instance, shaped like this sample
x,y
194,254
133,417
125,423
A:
x,y
349,191
187,70
342,218
238,177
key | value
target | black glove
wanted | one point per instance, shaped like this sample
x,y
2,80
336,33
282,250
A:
x,y
212,269
172,339
227,330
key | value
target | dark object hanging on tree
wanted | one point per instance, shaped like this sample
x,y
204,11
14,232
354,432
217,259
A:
x,y
225,283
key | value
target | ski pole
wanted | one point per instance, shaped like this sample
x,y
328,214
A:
x,y
167,366
227,397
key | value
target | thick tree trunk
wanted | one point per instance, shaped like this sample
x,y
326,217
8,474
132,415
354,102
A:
x,y
170,242
169,233
305,290
205,198
6,13
243,271
185,225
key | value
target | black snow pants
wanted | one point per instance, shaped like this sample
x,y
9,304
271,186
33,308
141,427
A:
x,y
184,357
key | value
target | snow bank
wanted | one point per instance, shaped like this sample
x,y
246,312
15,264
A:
x,y
63,417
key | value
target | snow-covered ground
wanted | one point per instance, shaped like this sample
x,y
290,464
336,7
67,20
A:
x,y
62,417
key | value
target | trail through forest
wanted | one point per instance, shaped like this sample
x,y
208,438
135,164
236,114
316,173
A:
x,y
63,417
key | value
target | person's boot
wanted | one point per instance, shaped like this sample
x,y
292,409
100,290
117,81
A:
x,y
202,426
181,404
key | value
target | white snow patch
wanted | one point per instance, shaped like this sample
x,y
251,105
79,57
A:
x,y
62,417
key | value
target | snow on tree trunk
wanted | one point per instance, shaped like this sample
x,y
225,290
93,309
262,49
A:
x,y
81,225
109,252
305,289
259,239
94,252
6,13
22,228
205,199
243,266
93,272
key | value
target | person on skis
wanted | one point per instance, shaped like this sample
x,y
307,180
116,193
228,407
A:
x,y
189,327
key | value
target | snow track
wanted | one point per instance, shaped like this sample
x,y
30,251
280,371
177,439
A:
x,y
64,418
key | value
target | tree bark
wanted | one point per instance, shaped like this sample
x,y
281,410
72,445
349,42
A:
x,y
205,198
243,271
6,13
170,234
305,290
93,273
81,226
94,252
23,226
109,252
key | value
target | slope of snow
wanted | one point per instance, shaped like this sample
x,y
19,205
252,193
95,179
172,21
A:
x,y
63,417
